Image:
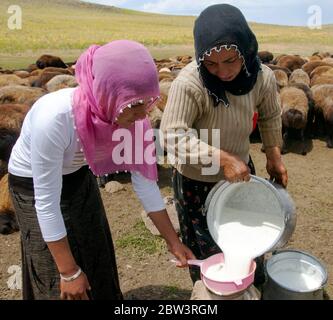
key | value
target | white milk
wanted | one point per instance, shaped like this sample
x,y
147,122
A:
x,y
297,281
242,236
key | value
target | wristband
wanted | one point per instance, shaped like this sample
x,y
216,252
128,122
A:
x,y
73,277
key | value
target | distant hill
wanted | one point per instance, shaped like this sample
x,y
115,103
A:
x,y
71,26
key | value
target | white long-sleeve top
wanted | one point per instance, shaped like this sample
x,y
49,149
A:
x,y
49,147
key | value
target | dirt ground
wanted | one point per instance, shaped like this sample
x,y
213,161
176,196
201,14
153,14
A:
x,y
144,263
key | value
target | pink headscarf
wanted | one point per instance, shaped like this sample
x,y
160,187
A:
x,y
110,77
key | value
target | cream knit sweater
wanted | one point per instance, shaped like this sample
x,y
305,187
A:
x,y
190,107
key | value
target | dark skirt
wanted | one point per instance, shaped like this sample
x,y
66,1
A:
x,y
88,235
190,197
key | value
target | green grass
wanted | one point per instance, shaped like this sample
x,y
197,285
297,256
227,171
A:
x,y
68,27
141,240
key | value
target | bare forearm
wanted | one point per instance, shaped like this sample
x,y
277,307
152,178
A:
x,y
63,257
164,226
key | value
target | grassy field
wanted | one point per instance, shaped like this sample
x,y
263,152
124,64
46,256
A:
x,y
67,27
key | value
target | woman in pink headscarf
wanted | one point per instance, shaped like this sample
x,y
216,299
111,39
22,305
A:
x,y
67,137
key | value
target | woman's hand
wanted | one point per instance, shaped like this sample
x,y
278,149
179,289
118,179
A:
x,y
275,167
234,169
175,246
76,289
181,252
62,255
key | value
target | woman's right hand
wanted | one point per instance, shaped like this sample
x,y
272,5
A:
x,y
234,168
76,289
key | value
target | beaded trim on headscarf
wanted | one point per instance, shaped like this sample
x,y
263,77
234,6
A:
x,y
218,48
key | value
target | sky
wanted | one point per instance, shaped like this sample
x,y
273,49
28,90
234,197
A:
x,y
285,12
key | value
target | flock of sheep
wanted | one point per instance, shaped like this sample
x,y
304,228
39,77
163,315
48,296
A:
x,y
306,92
305,88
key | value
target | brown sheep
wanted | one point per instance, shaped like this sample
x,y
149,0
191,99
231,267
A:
x,y
322,79
45,75
314,58
277,58
319,71
32,67
44,78
12,115
328,60
22,74
281,78
11,80
321,55
295,109
323,98
11,119
20,95
299,76
59,70
60,82
8,223
310,66
47,60
274,67
265,56
292,62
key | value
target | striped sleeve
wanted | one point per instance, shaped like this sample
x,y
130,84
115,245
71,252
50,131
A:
x,y
181,140
269,110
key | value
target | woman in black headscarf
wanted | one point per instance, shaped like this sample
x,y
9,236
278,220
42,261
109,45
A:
x,y
220,92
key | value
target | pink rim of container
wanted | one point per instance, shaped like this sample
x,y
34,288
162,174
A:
x,y
219,287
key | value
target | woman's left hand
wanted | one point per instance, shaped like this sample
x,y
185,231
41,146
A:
x,y
275,167
182,253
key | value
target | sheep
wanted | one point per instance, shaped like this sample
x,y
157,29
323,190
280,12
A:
x,y
8,223
12,79
8,138
295,109
292,62
46,75
59,70
321,55
299,76
281,78
44,78
11,120
50,61
314,58
323,98
274,67
265,56
31,68
22,74
328,60
320,70
322,79
277,58
310,66
60,82
20,95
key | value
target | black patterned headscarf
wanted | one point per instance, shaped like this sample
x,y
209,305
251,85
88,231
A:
x,y
224,26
